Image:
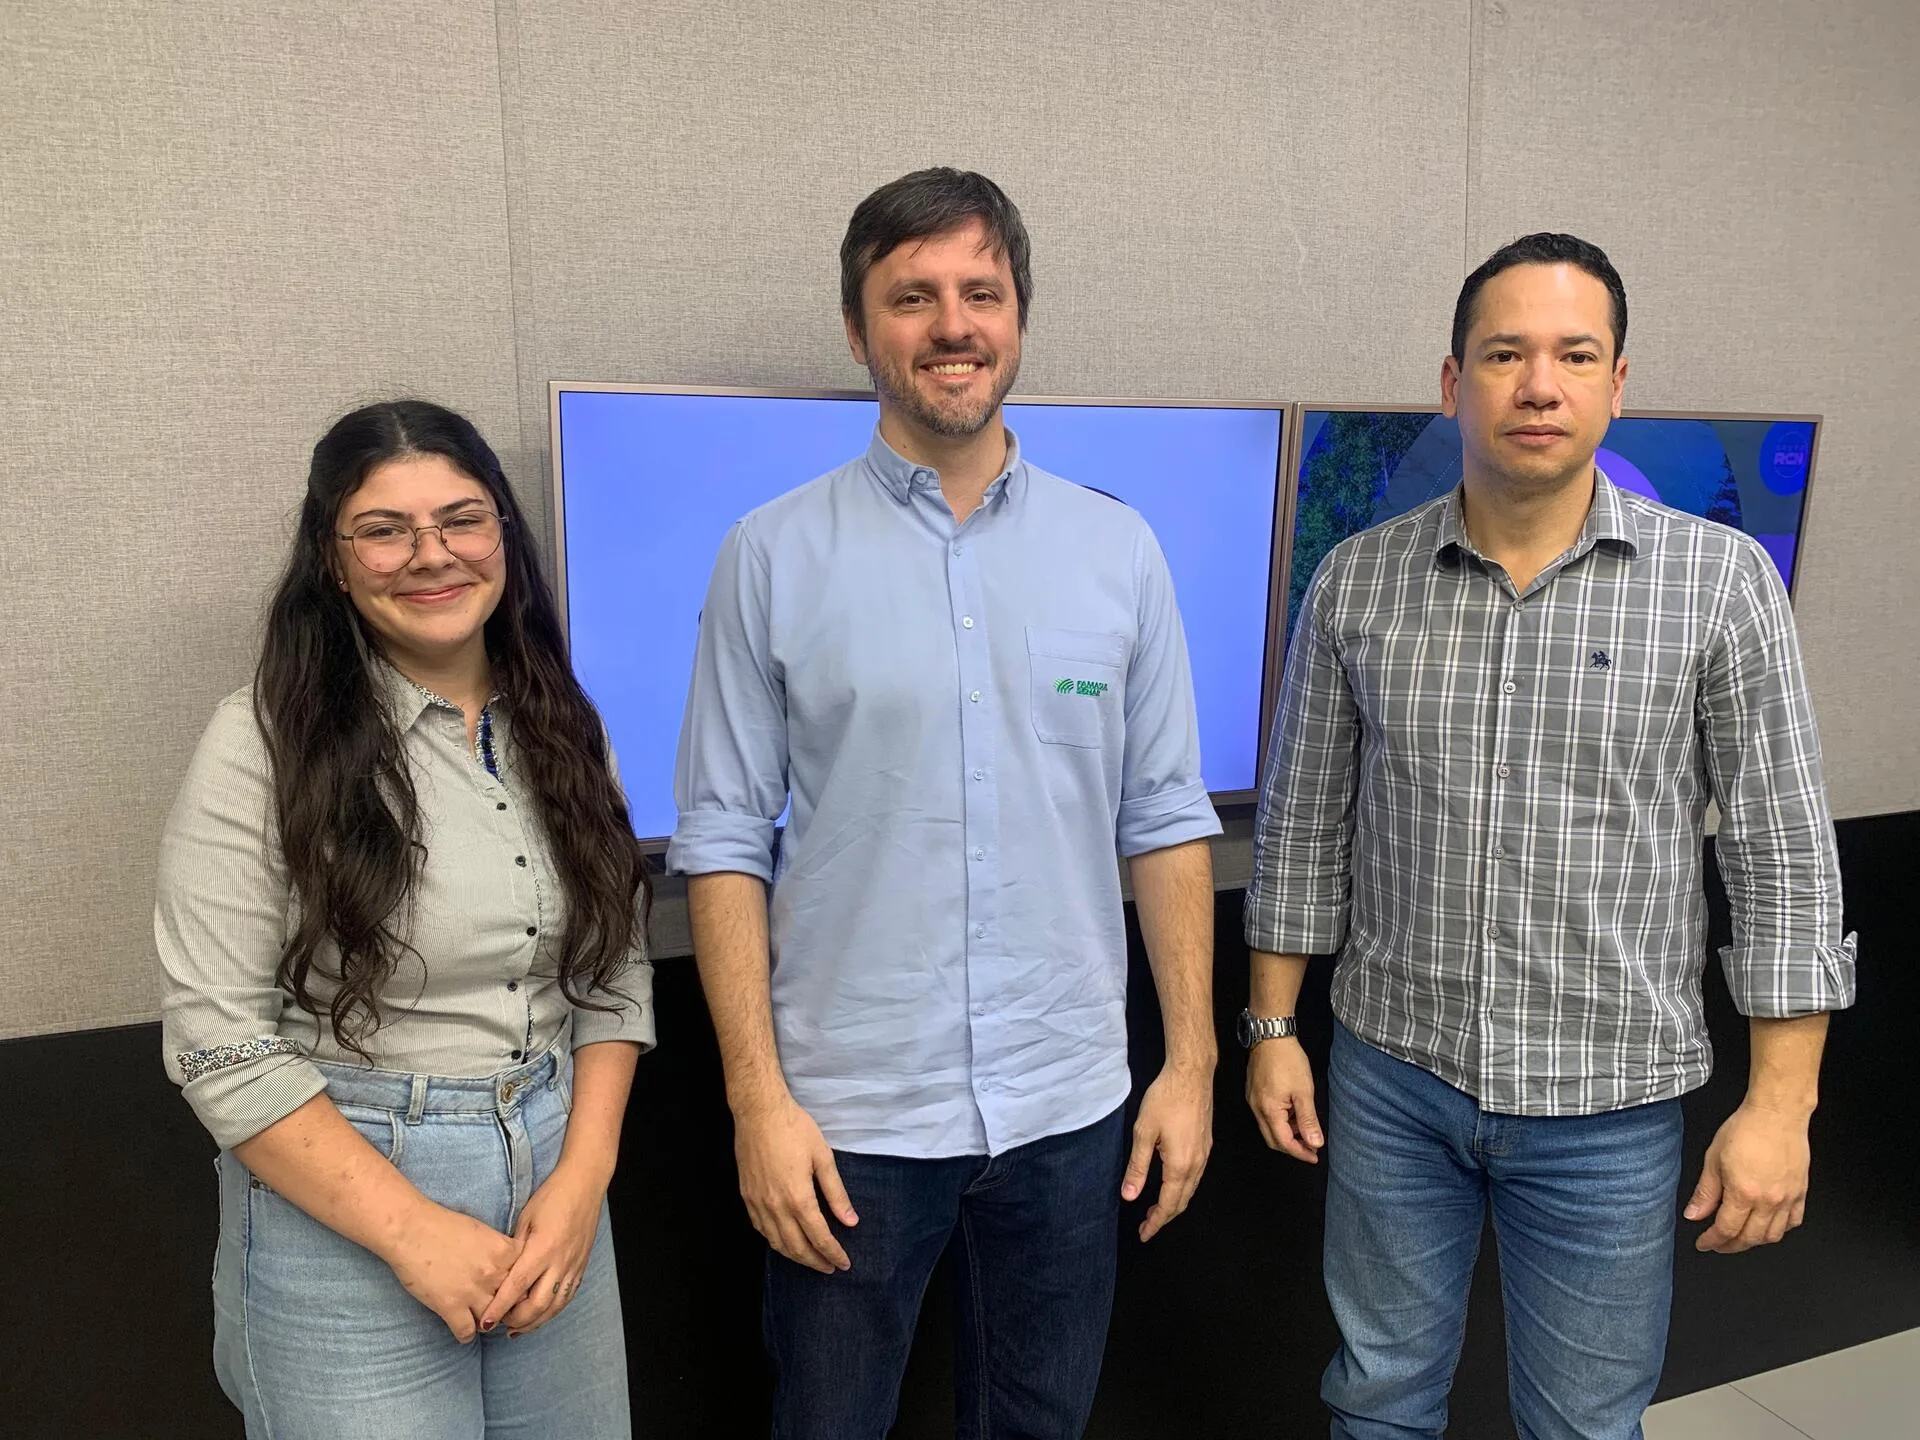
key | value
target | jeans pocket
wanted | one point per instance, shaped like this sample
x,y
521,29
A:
x,y
382,1129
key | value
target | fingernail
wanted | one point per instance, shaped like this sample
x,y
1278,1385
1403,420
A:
x,y
488,1324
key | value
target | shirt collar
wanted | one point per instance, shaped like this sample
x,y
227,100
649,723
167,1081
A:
x,y
1608,518
902,477
406,702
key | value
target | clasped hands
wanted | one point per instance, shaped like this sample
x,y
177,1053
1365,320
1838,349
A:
x,y
474,1278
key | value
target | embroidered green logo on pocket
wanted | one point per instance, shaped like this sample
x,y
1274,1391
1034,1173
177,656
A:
x,y
1095,688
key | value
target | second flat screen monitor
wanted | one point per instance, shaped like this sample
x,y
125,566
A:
x,y
1360,468
651,481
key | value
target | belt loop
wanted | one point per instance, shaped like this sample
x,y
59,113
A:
x,y
417,1102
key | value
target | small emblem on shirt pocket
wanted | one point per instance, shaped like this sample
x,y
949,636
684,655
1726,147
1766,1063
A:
x,y
1076,683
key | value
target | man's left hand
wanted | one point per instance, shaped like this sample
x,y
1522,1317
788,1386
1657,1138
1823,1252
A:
x,y
1755,1177
1176,1118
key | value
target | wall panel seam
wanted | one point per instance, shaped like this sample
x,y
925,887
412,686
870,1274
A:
x,y
506,38
1472,166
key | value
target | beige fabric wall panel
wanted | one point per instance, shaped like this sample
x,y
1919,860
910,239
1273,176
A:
x,y
1234,199
1751,170
223,224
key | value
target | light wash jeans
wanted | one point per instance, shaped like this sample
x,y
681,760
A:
x,y
1584,1210
314,1338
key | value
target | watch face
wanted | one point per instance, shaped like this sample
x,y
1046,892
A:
x,y
1244,1028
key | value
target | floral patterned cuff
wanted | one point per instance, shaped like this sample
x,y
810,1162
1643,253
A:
x,y
197,1064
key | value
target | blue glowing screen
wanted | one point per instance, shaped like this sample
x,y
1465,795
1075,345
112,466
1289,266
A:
x,y
1359,468
651,482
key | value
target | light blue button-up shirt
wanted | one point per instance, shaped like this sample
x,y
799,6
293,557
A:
x,y
965,719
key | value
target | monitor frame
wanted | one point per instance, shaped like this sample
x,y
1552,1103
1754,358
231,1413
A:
x,y
1283,581
1280,543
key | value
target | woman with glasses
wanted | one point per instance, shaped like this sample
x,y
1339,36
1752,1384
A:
x,y
400,918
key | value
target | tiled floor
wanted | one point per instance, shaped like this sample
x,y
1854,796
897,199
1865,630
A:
x,y
1871,1392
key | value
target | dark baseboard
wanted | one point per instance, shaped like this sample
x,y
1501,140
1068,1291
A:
x,y
1221,1328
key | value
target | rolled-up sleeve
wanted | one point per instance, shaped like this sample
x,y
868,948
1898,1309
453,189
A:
x,y
1303,831
1775,845
1163,800
631,1017
219,924
730,777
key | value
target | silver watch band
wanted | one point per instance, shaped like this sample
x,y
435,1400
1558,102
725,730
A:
x,y
1255,1028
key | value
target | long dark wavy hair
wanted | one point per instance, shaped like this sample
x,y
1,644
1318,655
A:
x,y
348,816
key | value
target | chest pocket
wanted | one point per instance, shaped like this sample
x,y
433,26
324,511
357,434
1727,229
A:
x,y
1077,686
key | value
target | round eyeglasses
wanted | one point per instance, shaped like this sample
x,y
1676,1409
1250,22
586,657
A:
x,y
385,546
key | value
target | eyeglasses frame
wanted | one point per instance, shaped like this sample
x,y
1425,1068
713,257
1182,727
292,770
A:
x,y
418,531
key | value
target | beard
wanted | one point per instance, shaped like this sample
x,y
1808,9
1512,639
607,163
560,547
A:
x,y
953,416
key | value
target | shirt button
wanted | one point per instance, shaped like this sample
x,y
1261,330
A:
x,y
501,806
956,549
513,1054
520,860
979,932
1509,687
513,984
979,774
1499,852
1493,932
533,929
974,697
986,1084
979,853
979,1009
1502,771
966,622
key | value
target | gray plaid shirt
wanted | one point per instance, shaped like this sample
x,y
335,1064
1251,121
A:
x,y
1495,803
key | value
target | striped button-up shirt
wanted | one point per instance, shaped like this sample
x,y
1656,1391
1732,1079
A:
x,y
1492,804
478,989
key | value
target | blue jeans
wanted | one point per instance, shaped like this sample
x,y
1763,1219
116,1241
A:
x,y
1037,1242
1584,1210
314,1338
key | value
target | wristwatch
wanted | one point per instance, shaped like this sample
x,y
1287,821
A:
x,y
1252,1028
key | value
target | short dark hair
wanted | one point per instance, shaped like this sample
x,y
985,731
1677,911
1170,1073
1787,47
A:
x,y
1544,248
926,203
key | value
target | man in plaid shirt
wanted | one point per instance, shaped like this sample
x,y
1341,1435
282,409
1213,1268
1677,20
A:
x,y
1504,716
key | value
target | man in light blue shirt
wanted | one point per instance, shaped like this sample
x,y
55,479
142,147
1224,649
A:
x,y
968,679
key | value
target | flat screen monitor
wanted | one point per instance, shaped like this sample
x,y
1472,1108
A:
x,y
1356,468
647,481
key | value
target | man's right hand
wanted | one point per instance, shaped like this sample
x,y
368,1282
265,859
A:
x,y
782,1156
452,1264
1280,1092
